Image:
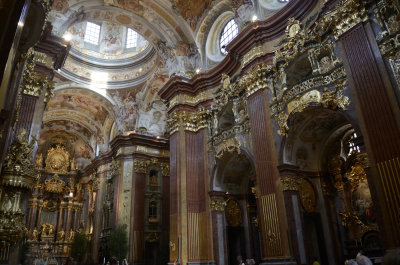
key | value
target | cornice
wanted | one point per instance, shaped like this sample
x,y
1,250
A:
x,y
55,47
255,33
133,139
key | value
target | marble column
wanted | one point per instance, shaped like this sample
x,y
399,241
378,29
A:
x,y
39,213
270,199
32,211
217,208
69,215
137,240
189,223
60,218
379,117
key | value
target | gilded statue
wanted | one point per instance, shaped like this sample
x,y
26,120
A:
x,y
39,160
71,236
35,235
60,235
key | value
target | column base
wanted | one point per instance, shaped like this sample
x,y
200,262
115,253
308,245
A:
x,y
279,261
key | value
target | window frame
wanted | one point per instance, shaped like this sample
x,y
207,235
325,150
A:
x,y
221,49
87,37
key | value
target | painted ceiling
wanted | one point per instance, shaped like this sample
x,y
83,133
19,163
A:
x,y
106,89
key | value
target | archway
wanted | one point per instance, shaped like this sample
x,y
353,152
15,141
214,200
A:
x,y
235,177
327,153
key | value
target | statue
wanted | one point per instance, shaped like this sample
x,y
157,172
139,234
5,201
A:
x,y
39,160
35,235
73,164
60,235
71,236
50,229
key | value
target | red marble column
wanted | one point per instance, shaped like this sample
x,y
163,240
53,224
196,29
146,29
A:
x,y
69,216
270,202
137,228
218,231
174,196
379,121
32,211
60,218
98,216
198,236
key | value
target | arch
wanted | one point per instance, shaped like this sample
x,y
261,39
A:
x,y
325,122
220,163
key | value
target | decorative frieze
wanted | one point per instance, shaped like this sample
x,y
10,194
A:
x,y
189,121
186,99
346,15
252,54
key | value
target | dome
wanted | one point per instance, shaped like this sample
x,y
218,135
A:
x,y
107,54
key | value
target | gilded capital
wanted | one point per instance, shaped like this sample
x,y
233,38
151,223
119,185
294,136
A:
x,y
189,121
217,205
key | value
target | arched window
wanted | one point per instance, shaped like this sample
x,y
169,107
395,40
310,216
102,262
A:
x,y
283,1
229,32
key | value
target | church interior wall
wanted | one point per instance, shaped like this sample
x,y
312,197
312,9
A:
x,y
280,145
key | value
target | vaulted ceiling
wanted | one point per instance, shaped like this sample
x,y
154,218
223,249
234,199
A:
x,y
106,89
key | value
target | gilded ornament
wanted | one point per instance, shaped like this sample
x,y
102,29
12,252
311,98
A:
x,y
54,184
345,16
217,205
165,169
35,235
307,195
39,160
12,227
252,54
233,213
19,169
228,146
114,168
305,189
140,166
60,235
57,160
290,183
152,237
189,121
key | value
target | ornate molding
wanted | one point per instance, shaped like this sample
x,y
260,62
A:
x,y
19,170
228,146
140,166
57,160
328,98
252,54
54,184
305,189
189,121
186,99
33,84
165,169
217,205
345,16
290,183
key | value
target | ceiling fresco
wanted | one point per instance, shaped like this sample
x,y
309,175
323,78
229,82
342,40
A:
x,y
111,42
106,89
